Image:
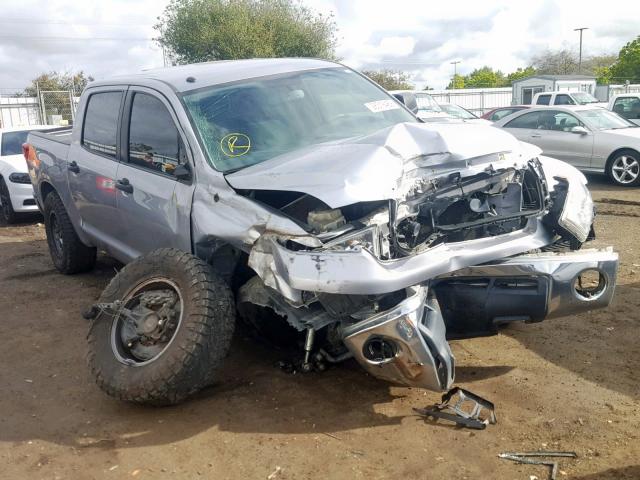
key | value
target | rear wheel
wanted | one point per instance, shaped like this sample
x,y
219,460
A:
x,y
67,251
167,335
624,168
7,213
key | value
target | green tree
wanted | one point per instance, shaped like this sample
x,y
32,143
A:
x,y
390,79
484,77
456,82
59,81
627,67
204,30
519,74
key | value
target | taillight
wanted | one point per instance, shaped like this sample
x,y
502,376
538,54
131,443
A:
x,y
30,155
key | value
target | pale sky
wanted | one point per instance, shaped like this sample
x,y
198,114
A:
x,y
108,37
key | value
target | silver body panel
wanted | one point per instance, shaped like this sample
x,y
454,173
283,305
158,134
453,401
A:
x,y
588,152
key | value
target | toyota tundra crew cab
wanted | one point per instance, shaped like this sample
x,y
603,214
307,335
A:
x,y
301,197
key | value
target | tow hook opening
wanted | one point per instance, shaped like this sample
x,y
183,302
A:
x,y
379,350
590,284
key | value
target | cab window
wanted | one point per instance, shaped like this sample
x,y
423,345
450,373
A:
x,y
100,128
528,120
557,121
627,107
543,100
502,113
154,141
564,99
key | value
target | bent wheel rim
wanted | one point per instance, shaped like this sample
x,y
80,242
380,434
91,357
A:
x,y
625,169
143,342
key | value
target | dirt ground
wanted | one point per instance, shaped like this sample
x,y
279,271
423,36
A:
x,y
567,384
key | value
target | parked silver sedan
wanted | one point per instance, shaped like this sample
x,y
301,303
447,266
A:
x,y
590,138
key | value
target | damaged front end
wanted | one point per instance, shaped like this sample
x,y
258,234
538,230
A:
x,y
452,242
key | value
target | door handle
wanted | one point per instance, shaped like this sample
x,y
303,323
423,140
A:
x,y
73,167
124,185
537,135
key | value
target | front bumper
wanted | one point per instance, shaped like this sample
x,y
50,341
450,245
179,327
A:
x,y
407,344
358,272
22,198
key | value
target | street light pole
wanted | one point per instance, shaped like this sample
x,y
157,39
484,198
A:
x,y
455,72
580,55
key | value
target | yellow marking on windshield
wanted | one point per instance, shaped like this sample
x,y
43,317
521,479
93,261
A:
x,y
235,144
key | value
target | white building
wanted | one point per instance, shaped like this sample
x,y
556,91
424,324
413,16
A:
x,y
525,88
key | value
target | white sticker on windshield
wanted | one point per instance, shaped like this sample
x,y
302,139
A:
x,y
382,105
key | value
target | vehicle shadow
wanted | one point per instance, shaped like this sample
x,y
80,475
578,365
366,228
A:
x,y
592,344
49,394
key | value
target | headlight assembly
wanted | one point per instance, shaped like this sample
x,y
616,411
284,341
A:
x,y
17,177
577,212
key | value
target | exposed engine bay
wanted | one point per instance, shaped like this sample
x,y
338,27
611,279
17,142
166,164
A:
x,y
454,247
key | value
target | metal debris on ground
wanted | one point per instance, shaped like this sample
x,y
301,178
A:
x,y
462,407
531,458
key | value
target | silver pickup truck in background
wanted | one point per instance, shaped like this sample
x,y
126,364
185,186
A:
x,y
301,196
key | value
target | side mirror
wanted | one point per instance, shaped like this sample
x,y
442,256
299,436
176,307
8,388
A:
x,y
182,172
579,130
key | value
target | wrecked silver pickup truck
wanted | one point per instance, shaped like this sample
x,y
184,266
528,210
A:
x,y
315,200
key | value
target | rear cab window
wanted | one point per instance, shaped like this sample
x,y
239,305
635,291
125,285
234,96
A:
x,y
100,127
543,100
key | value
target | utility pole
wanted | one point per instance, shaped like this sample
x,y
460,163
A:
x,y
580,55
455,72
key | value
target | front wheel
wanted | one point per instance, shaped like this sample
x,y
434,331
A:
x,y
166,329
624,168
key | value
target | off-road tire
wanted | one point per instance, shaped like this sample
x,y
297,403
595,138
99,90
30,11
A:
x,y
72,256
7,214
201,342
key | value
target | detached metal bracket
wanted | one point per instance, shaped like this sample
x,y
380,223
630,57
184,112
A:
x,y
467,410
530,459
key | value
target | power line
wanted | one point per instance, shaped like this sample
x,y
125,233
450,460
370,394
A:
x,y
37,22
43,37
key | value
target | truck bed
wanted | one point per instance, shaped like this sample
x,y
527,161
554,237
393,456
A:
x,y
59,135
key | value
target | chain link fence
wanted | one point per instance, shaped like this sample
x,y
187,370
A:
x,y
48,108
57,107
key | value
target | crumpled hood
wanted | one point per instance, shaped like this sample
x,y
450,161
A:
x,y
372,167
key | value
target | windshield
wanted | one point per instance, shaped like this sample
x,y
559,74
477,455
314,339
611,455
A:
x,y
602,119
12,142
458,112
251,121
584,98
426,103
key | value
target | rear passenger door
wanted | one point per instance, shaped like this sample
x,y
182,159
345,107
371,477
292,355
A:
x,y
154,205
93,163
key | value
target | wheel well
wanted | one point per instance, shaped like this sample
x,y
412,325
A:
x,y
45,189
616,152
